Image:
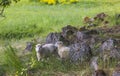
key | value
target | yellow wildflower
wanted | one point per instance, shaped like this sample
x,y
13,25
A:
x,y
51,1
73,1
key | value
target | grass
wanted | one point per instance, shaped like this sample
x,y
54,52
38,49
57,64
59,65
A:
x,y
26,19
20,66
28,65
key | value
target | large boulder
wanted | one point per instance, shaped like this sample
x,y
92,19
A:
x,y
81,36
80,52
111,48
54,37
117,70
69,33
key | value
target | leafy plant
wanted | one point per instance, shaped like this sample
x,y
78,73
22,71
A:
x,y
5,3
12,60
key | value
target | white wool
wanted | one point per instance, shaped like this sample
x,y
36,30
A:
x,y
37,47
44,50
63,51
38,56
50,47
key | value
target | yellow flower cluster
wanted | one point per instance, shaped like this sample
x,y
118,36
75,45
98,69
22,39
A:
x,y
52,2
49,1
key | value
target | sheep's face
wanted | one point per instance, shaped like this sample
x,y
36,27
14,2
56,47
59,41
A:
x,y
38,47
59,44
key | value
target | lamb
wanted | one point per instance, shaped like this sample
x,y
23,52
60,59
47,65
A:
x,y
63,51
43,51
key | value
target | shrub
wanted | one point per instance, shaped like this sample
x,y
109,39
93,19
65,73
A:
x,y
15,66
52,2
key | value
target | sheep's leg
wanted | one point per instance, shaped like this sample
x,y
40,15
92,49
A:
x,y
38,56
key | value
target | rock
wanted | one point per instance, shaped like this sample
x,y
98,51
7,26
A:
x,y
92,32
69,33
80,52
111,48
81,36
107,45
67,30
116,74
100,73
54,37
117,71
29,46
100,16
81,42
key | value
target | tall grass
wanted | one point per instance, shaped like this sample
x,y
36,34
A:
x,y
12,60
28,65
21,67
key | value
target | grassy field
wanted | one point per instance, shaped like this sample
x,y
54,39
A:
x,y
26,20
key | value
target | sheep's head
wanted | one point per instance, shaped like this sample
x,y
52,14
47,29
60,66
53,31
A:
x,y
38,47
59,44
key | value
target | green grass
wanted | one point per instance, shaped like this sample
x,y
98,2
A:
x,y
29,20
17,65
26,19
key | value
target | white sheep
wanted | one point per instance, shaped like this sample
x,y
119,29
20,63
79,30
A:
x,y
63,51
45,50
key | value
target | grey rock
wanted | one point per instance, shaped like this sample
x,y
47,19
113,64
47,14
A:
x,y
80,52
111,48
29,46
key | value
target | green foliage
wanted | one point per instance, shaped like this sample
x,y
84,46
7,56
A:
x,y
7,2
12,60
2,70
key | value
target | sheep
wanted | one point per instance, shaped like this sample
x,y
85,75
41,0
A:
x,y
45,50
63,51
97,72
